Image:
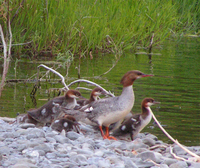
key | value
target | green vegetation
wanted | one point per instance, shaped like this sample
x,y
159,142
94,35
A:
x,y
81,26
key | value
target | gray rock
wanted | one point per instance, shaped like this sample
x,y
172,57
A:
x,y
156,157
80,159
5,150
72,135
8,135
62,139
51,140
35,133
195,165
179,164
149,141
27,125
179,151
45,147
24,165
169,161
160,166
50,155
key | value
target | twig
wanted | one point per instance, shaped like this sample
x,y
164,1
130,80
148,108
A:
x,y
175,141
156,164
52,70
19,44
175,156
157,146
92,83
84,88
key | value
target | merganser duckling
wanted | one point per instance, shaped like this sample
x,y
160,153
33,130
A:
x,y
110,110
66,123
96,92
137,122
47,113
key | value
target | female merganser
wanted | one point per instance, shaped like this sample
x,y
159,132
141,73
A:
x,y
66,123
47,113
137,122
107,111
96,92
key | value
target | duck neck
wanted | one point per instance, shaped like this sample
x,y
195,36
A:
x,y
70,103
92,98
146,111
128,94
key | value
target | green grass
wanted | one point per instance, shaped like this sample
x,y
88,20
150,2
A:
x,y
80,26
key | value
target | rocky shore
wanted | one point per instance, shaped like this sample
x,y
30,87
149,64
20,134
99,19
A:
x,y
25,146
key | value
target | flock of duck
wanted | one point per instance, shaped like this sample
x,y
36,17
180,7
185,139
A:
x,y
65,113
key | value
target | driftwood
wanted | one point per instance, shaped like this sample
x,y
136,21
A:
x,y
196,157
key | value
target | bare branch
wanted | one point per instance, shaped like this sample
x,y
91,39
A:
x,y
52,70
92,83
175,141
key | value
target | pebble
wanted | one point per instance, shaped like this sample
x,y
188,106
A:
x,y
26,146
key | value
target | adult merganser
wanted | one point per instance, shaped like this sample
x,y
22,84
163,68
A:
x,y
110,110
96,92
137,122
47,113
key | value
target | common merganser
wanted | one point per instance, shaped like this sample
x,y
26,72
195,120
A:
x,y
47,113
110,110
66,123
96,92
137,122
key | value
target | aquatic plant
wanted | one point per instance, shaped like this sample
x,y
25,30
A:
x,y
52,27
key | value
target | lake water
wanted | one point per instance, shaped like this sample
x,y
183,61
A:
x,y
176,84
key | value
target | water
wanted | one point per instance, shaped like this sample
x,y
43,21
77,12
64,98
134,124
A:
x,y
176,85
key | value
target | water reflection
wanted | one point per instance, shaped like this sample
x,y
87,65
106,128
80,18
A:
x,y
175,85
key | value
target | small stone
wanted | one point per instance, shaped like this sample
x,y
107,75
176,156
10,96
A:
x,y
27,125
179,151
72,135
5,150
45,147
80,159
149,141
179,164
156,157
160,166
51,155
169,161
62,139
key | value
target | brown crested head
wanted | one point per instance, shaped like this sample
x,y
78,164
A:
x,y
147,102
73,94
98,91
131,76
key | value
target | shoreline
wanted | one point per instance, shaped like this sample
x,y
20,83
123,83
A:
x,y
27,146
